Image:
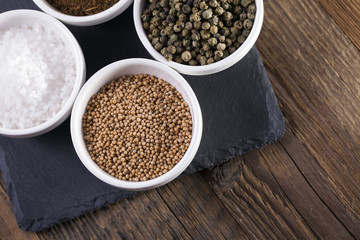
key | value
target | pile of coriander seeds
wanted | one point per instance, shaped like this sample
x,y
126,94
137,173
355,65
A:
x,y
197,32
137,127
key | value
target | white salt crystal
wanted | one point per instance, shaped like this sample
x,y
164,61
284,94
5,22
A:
x,y
37,74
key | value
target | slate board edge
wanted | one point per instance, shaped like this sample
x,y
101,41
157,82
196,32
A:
x,y
36,225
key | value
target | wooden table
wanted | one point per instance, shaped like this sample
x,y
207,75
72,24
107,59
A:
x,y
306,186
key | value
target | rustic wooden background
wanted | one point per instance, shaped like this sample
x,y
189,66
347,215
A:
x,y
306,186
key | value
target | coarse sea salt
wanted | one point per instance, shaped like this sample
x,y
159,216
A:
x,y
37,75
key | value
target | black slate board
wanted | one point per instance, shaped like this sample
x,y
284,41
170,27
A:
x,y
47,183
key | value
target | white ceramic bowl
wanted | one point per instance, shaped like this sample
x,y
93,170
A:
x,y
205,69
130,67
90,20
28,17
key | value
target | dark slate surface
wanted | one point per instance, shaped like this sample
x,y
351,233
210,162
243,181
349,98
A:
x,y
47,183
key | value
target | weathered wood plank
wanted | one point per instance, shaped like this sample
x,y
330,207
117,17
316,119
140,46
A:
x,y
145,216
8,227
199,209
271,199
346,15
315,74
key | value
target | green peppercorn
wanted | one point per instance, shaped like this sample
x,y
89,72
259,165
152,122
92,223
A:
x,y
207,14
177,44
170,19
219,10
158,46
186,9
193,53
236,2
214,20
193,62
236,44
185,33
226,53
232,49
168,56
237,10
203,6
182,18
163,51
178,59
195,36
205,25
163,39
188,26
228,42
251,16
245,3
196,3
195,43
218,53
155,41
204,34
206,47
245,32
178,6
202,60
225,31
177,28
197,25
155,32
213,3
186,42
222,38
172,39
212,41
171,49
179,50
164,3
221,46
213,29
234,30
243,16
248,24
241,39
251,8
172,11
225,6
195,17
238,24
227,16
210,61
232,37
146,25
150,37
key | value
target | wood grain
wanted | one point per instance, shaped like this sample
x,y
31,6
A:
x,y
8,226
142,217
307,186
199,209
346,14
316,79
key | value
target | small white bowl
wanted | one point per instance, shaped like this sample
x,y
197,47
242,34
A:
x,y
131,67
209,68
90,20
28,17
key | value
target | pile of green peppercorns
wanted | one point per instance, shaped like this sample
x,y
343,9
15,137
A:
x,y
197,32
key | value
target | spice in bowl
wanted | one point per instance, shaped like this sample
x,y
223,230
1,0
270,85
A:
x,y
81,7
37,75
197,32
137,127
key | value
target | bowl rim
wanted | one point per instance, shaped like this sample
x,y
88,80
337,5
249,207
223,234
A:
x,y
60,116
209,68
94,19
77,134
